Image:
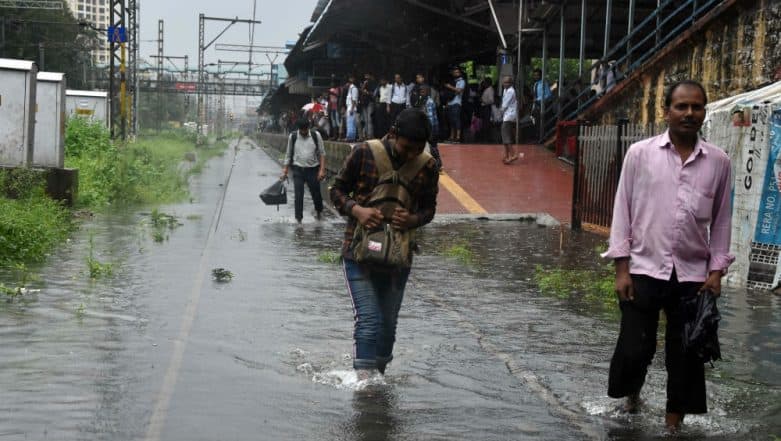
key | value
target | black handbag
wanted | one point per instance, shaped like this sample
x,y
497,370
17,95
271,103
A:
x,y
276,194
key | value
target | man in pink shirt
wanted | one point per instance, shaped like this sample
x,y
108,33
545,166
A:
x,y
670,239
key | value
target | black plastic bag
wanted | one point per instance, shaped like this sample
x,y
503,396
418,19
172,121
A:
x,y
701,330
276,194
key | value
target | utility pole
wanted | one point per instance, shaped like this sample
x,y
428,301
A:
x,y
117,95
202,46
159,74
133,7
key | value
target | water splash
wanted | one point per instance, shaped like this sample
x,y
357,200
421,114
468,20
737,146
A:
x,y
348,379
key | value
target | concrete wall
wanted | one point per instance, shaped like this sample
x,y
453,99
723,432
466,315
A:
x,y
335,152
737,51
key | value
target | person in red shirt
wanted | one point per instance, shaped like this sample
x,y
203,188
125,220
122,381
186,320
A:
x,y
333,109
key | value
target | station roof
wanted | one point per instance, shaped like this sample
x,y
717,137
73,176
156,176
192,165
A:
x,y
410,36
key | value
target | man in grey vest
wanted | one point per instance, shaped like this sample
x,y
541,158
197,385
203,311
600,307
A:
x,y
306,157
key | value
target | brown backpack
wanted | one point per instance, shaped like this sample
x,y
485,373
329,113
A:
x,y
386,246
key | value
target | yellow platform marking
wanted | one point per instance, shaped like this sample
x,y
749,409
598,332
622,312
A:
x,y
461,195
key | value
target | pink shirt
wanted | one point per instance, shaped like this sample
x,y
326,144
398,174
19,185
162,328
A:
x,y
664,211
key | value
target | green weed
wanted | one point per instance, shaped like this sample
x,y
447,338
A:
x,y
80,311
30,227
329,257
161,224
461,253
222,275
595,287
97,269
142,172
159,236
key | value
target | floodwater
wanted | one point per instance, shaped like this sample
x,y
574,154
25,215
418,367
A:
x,y
160,351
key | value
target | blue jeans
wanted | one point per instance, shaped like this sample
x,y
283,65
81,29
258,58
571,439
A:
x,y
376,296
352,130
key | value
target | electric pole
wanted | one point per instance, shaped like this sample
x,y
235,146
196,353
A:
x,y
202,46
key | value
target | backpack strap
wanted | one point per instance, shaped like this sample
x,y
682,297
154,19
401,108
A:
x,y
293,138
316,138
381,159
410,169
393,188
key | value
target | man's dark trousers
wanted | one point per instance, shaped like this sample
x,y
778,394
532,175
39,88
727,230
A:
x,y
308,175
637,344
381,117
395,109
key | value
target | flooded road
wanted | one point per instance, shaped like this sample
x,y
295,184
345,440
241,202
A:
x,y
160,351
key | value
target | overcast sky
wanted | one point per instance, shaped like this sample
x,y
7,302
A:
x,y
282,20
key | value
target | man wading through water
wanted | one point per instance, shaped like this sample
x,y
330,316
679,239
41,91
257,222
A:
x,y
670,240
306,156
376,289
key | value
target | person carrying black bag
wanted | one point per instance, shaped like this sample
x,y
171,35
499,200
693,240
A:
x,y
306,156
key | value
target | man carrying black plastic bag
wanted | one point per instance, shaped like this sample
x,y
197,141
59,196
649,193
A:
x,y
670,241
306,156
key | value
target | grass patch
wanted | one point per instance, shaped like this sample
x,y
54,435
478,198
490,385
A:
x,y
96,268
147,171
32,224
330,257
594,287
461,253
161,224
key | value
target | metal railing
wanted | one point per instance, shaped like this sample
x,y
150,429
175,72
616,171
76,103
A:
x,y
598,162
659,28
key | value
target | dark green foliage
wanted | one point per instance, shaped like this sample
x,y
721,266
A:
x,y
54,39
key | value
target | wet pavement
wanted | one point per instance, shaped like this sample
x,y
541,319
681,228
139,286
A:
x,y
536,183
161,351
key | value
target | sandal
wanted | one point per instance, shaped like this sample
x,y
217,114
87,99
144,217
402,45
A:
x,y
510,160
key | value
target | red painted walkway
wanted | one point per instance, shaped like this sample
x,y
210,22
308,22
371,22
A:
x,y
538,182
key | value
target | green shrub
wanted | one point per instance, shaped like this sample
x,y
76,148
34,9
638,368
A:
x,y
30,228
142,172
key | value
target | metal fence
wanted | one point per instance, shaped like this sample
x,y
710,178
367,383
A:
x,y
600,155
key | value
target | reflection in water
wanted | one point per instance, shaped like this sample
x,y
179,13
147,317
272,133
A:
x,y
374,414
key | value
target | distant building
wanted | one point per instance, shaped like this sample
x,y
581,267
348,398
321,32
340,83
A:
x,y
97,12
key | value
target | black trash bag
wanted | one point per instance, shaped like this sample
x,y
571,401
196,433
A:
x,y
276,194
701,330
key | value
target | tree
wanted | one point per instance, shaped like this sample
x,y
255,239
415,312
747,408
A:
x,y
53,38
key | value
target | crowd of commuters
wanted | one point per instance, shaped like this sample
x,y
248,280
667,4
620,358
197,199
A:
x,y
357,110
459,110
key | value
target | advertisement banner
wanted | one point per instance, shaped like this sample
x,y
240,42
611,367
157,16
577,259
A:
x,y
768,230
